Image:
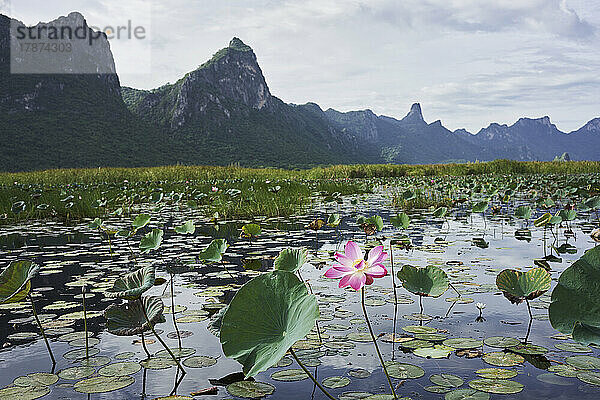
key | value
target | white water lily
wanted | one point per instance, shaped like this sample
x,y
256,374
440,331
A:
x,y
480,306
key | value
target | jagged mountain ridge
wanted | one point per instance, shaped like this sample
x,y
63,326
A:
x,y
223,112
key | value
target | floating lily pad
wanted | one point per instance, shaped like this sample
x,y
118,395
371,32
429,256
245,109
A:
x,y
419,329
120,369
199,361
158,363
463,343
593,378
250,389
529,349
496,373
584,362
403,371
553,379
446,380
501,342
467,394
564,370
103,384
76,373
354,395
437,351
78,354
359,373
289,375
335,382
24,392
573,347
36,379
502,359
499,386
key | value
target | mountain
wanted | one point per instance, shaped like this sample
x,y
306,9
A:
x,y
69,120
409,140
223,112
226,113
536,139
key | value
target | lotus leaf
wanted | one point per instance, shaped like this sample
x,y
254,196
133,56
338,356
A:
x,y
265,318
518,286
429,281
151,241
290,260
132,285
128,319
214,251
575,307
15,281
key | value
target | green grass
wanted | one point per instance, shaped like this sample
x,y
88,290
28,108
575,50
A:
x,y
72,194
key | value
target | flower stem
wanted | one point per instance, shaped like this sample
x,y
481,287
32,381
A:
x,y
85,329
159,338
37,319
144,345
173,313
310,375
375,343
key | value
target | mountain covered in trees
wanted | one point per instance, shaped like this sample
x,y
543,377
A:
x,y
224,112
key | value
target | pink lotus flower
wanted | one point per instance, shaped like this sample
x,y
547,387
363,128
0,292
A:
x,y
354,270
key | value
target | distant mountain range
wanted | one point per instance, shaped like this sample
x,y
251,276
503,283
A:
x,y
223,112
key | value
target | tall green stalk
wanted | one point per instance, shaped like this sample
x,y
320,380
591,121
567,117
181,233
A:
x,y
375,343
37,319
311,375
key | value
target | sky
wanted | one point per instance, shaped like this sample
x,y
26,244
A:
x,y
468,62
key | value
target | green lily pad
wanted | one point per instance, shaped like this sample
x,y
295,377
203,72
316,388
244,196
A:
x,y
583,362
24,392
496,373
290,260
518,286
575,301
132,285
15,281
36,379
76,373
502,359
446,380
403,371
354,395
437,351
498,386
463,343
250,389
265,318
419,329
593,378
103,384
157,363
335,382
359,373
177,352
199,361
501,342
529,349
564,370
573,347
120,369
128,319
553,379
429,281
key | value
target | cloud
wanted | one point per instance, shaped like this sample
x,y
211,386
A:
x,y
550,16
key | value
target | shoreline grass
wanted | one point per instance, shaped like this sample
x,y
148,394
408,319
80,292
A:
x,y
181,173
